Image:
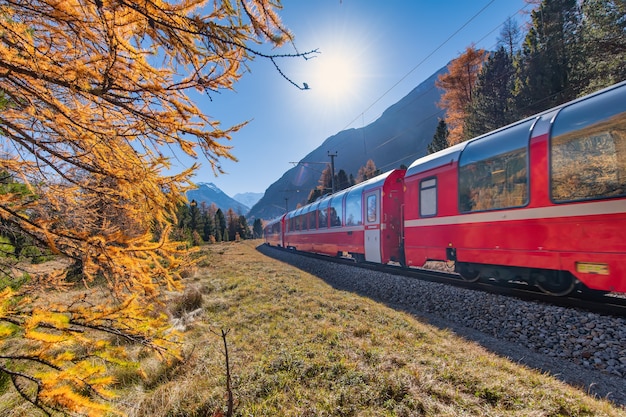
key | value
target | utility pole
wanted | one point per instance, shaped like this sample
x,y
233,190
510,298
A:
x,y
332,171
287,198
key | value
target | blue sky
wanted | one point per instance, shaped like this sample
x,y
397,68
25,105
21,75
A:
x,y
373,53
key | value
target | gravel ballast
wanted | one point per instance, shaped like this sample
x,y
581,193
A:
x,y
583,349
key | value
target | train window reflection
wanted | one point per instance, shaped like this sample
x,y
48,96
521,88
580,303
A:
x,y
336,210
354,215
371,208
588,150
322,220
493,172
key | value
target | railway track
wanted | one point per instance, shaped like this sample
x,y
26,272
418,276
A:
x,y
605,304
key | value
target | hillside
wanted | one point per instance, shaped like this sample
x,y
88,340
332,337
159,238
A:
x,y
399,136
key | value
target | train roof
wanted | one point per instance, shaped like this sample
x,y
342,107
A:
x,y
446,156
377,181
452,154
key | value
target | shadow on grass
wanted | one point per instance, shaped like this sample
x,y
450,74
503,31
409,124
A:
x,y
345,278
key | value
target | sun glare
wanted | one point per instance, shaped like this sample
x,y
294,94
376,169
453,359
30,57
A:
x,y
334,76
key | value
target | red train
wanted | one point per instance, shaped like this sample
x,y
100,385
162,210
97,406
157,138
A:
x,y
542,201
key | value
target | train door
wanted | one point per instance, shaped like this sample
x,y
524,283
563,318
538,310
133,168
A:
x,y
372,226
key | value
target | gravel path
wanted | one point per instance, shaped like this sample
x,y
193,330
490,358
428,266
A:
x,y
582,349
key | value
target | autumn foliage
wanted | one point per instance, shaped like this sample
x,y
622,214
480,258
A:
x,y
458,85
95,99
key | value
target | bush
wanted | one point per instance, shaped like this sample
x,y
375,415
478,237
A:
x,y
190,300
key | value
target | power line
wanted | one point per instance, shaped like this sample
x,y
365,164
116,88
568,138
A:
x,y
421,62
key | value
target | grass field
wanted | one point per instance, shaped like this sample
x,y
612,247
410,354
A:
x,y
298,347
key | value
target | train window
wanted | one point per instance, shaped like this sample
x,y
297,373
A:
x,y
321,215
291,224
588,149
371,208
312,218
428,197
336,210
354,216
297,220
305,221
493,171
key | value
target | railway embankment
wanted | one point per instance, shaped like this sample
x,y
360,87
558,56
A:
x,y
581,348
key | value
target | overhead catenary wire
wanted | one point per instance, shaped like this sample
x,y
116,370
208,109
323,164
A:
x,y
423,120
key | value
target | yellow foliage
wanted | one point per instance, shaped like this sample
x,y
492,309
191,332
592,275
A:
x,y
91,92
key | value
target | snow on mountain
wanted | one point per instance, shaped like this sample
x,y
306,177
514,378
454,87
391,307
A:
x,y
248,199
211,194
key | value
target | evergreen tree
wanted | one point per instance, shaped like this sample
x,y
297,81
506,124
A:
x,y
493,103
341,180
602,45
440,139
242,227
207,213
209,226
549,54
220,225
195,217
183,216
232,222
257,229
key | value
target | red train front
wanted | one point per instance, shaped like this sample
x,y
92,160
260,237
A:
x,y
542,201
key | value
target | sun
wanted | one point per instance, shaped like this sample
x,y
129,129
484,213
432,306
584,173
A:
x,y
334,75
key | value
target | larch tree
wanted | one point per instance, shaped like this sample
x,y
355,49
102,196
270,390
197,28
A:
x,y
367,171
493,102
323,187
458,86
510,37
91,93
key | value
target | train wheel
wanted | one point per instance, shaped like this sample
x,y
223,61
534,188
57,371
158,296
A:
x,y
468,273
557,283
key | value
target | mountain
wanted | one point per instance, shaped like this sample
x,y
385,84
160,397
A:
x,y
210,193
248,199
398,137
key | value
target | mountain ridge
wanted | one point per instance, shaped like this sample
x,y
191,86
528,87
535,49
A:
x,y
398,137
211,194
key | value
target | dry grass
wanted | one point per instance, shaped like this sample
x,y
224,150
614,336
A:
x,y
298,347
301,348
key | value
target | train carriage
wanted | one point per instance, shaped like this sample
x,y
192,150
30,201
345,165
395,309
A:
x,y
363,221
542,200
273,232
